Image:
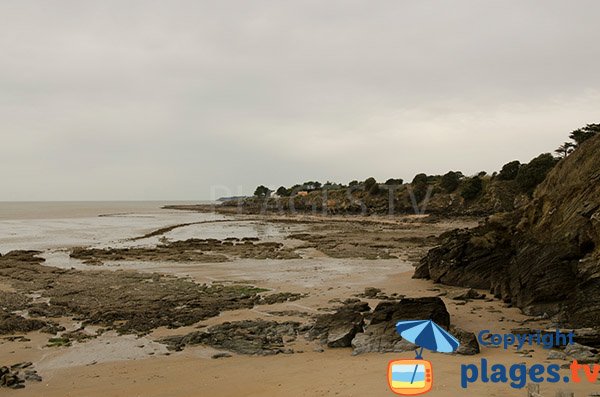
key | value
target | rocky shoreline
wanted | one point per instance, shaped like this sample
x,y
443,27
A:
x,y
544,257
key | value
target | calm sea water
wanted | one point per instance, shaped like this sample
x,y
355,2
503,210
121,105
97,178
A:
x,y
12,210
52,226
45,225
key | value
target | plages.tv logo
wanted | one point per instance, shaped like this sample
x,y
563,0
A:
x,y
410,377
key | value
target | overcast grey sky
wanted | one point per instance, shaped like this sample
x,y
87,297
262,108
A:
x,y
164,99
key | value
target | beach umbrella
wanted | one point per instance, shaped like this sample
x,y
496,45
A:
x,y
428,335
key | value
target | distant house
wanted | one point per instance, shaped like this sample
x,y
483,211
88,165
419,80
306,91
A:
x,y
302,193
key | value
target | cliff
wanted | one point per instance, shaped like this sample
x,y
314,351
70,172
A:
x,y
543,257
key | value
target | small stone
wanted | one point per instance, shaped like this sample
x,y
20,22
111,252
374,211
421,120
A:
x,y
556,355
221,355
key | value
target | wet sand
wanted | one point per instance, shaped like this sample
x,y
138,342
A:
x,y
128,365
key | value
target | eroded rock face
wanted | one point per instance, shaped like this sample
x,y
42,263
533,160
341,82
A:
x,y
543,257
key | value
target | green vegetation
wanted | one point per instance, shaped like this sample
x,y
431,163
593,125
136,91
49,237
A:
x,y
472,187
578,136
450,181
283,192
509,171
583,134
369,182
393,182
532,174
513,178
262,191
419,179
58,342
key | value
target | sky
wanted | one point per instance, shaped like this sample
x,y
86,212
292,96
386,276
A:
x,y
192,100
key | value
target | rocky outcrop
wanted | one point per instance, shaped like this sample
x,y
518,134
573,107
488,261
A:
x,y
339,329
543,257
15,376
253,337
381,336
468,341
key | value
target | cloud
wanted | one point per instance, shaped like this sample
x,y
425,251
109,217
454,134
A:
x,y
162,100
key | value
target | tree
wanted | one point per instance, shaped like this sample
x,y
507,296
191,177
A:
x,y
282,191
565,149
420,179
353,183
530,175
392,181
262,191
583,134
374,189
312,185
472,188
450,181
509,171
369,182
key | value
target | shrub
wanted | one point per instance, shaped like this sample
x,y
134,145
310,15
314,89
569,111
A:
x,y
262,191
450,181
282,191
532,174
472,187
369,182
583,134
509,171
393,181
420,179
374,189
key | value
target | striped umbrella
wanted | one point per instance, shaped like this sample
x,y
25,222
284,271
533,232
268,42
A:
x,y
427,334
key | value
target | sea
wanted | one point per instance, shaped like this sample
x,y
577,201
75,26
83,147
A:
x,y
61,224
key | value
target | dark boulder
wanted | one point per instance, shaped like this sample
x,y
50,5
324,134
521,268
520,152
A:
x,y
381,336
339,328
468,342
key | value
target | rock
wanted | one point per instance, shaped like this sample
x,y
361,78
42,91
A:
x,y
381,336
371,292
583,354
542,257
22,365
221,355
338,329
12,323
52,328
468,341
32,376
280,297
412,309
252,337
587,336
467,294
15,376
556,355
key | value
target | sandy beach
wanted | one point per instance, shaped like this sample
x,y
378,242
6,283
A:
x,y
321,273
